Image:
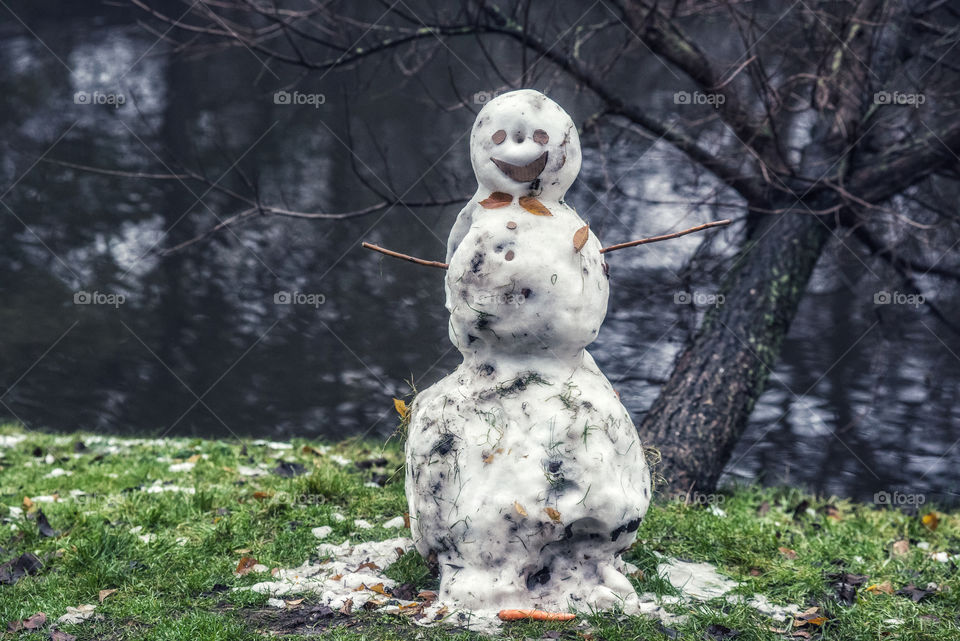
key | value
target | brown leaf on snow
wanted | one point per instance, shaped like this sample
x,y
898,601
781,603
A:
x,y
788,553
522,511
427,595
292,603
901,547
347,607
105,593
553,514
534,206
245,566
580,238
496,200
369,565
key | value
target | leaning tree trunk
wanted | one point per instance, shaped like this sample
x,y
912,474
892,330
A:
x,y
703,408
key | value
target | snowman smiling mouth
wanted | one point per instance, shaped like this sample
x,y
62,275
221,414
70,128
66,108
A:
x,y
522,173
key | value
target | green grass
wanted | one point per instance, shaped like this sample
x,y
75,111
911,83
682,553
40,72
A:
x,y
177,584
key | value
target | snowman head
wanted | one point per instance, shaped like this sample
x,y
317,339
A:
x,y
524,144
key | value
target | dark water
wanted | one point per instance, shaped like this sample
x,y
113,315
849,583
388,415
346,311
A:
x,y
864,400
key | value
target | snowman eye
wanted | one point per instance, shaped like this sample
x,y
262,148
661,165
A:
x,y
499,136
540,137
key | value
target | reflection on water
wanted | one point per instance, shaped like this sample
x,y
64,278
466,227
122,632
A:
x,y
206,342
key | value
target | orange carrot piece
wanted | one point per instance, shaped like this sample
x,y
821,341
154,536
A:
x,y
535,615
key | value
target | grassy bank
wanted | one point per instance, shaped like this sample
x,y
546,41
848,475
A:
x,y
165,523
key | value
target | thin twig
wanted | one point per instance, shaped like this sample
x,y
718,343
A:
x,y
632,243
656,239
419,261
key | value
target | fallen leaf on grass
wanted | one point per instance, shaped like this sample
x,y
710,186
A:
x,y
763,509
788,553
901,547
292,603
105,593
347,607
809,616
27,503
245,566
914,593
262,496
43,525
289,470
880,588
845,586
931,520
60,635
721,632
309,449
78,614
17,568
34,622
534,615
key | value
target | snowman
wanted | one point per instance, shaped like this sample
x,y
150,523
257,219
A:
x,y
526,480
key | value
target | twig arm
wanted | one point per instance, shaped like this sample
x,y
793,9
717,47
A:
x,y
412,259
656,239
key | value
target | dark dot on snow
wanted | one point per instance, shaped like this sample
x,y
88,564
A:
x,y
487,369
554,466
511,225
508,255
476,262
526,293
540,577
498,248
471,338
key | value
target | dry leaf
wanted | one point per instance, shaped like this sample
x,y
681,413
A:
x,y
292,603
496,200
309,449
105,593
34,622
427,595
401,406
27,503
262,496
931,520
347,607
764,508
886,588
553,514
488,459
194,458
60,635
522,511
406,521
788,553
534,206
370,565
378,588
901,547
580,238
245,565
242,551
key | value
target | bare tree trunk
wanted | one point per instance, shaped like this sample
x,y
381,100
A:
x,y
702,410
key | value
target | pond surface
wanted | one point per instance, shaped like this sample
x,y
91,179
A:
x,y
100,333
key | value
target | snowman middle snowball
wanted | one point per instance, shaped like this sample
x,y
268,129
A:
x,y
525,476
